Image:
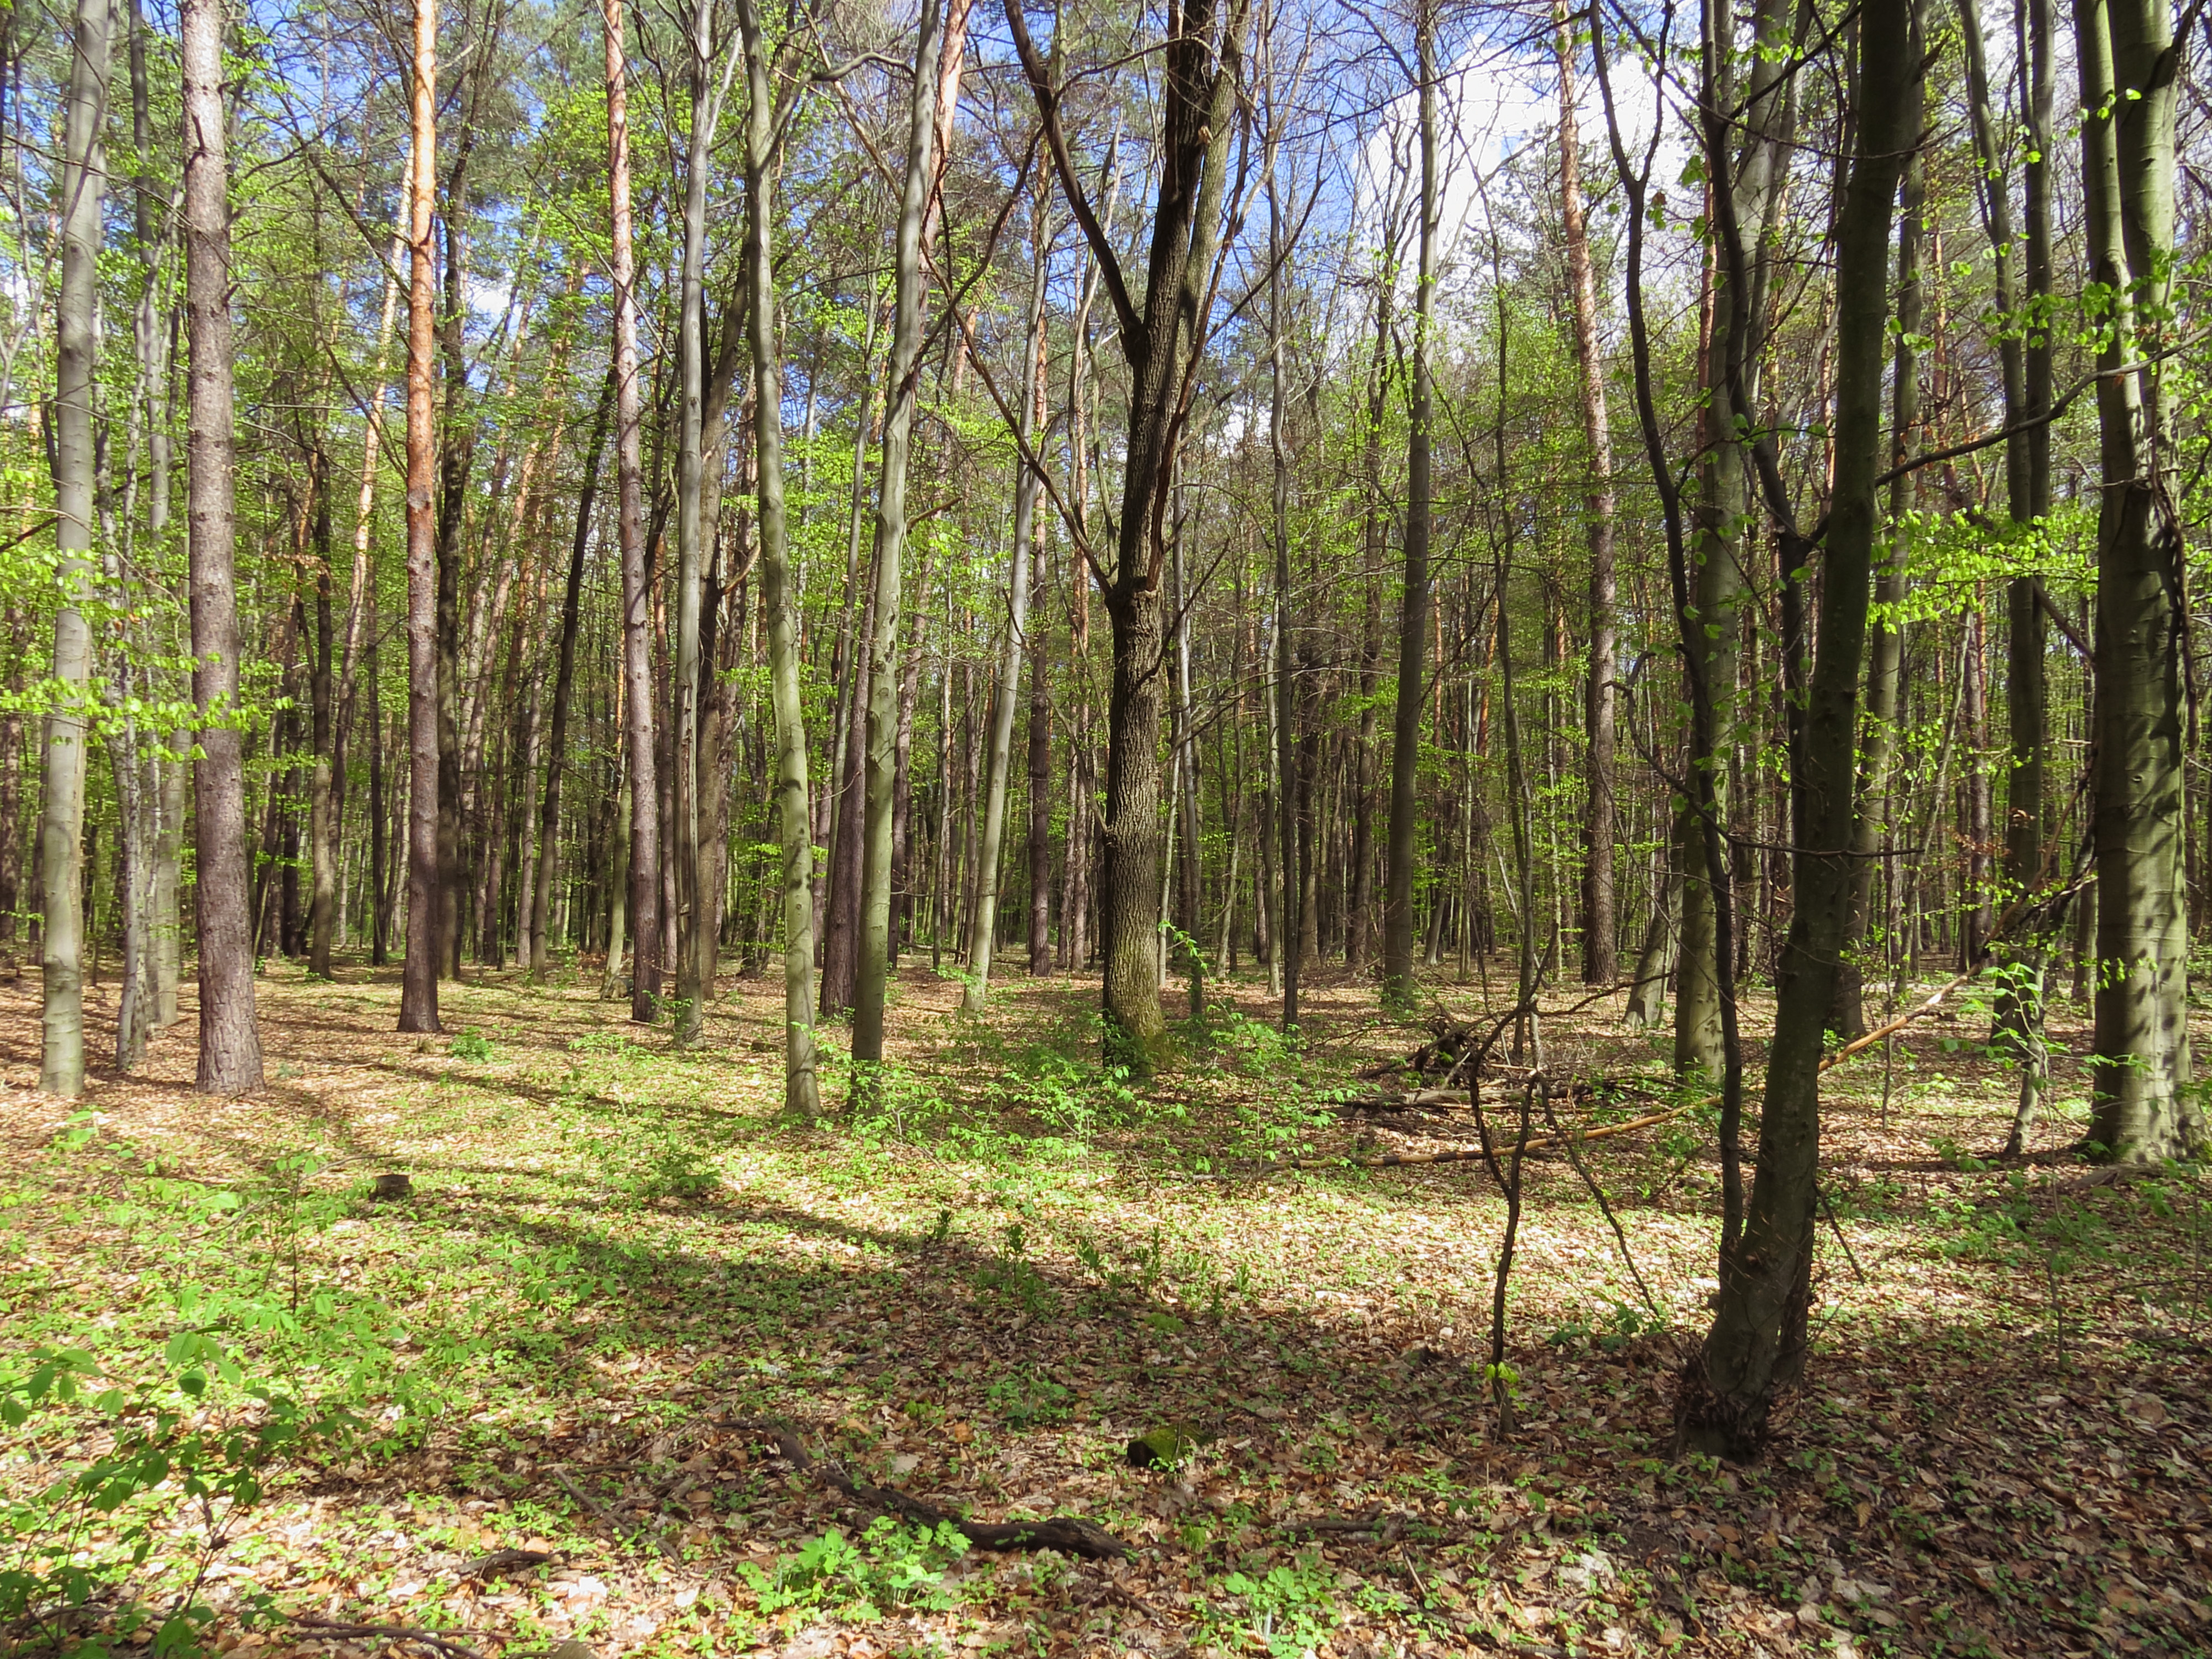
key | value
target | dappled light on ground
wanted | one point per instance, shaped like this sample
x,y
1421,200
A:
x,y
617,1263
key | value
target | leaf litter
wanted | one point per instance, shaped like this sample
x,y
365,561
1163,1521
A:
x,y
617,1262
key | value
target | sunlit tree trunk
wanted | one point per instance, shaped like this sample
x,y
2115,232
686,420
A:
x,y
694,971
1201,69
644,904
2142,1110
418,1000
903,382
230,1044
68,726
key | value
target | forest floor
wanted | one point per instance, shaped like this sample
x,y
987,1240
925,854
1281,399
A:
x,y
616,1260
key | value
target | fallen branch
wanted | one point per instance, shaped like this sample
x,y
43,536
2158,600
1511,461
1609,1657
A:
x,y
628,1534
1471,1154
342,1632
1060,1532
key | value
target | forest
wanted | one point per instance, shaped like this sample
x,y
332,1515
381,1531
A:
x,y
1224,826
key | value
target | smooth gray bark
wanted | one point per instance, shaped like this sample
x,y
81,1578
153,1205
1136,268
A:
x,y
802,1085
880,779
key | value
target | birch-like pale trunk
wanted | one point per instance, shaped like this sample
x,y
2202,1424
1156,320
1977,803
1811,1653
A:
x,y
696,951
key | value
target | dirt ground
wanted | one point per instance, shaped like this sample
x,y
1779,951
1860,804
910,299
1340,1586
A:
x,y
618,1263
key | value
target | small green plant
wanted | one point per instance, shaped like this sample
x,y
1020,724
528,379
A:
x,y
1957,1157
1029,1399
1292,1608
890,1566
473,1046
174,1467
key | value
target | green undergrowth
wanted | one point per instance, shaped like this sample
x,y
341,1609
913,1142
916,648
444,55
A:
x,y
996,1255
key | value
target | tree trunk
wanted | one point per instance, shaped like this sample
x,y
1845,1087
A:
x,y
1163,347
1601,963
1756,1345
983,938
230,1044
556,749
802,1087
61,822
327,753
1403,844
637,600
2142,1110
418,1001
694,971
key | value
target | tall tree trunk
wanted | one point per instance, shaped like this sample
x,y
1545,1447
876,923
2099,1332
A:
x,y
165,770
1756,1346
1040,747
802,1087
1203,64
230,1044
1287,790
693,972
637,600
1877,819
418,1000
1600,954
556,749
983,938
1414,615
2142,1110
61,822
327,755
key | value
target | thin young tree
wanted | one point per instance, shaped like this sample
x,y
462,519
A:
x,y
801,1082
230,1043
418,998
983,931
695,971
1601,956
1402,846
880,775
1756,1346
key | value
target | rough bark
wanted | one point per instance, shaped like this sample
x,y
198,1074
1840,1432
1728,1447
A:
x,y
230,1043
418,1000
1201,66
